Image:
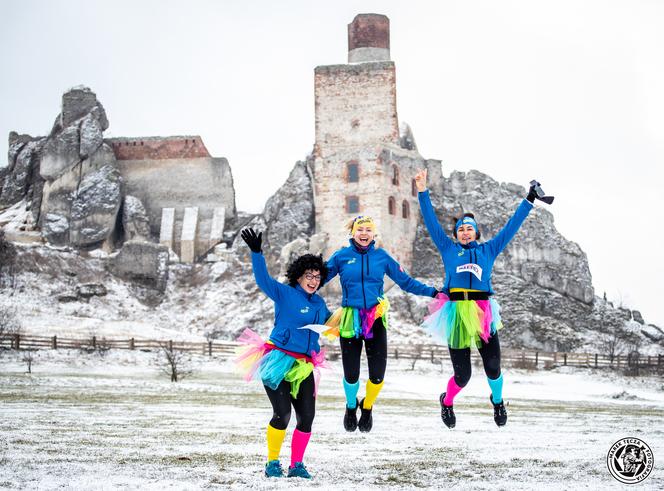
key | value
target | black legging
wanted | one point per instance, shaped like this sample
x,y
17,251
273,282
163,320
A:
x,y
490,353
305,405
376,348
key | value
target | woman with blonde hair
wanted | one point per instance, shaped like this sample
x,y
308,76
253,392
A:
x,y
362,318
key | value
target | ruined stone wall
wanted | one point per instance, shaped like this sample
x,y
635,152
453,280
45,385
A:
x,y
355,105
356,121
158,148
202,182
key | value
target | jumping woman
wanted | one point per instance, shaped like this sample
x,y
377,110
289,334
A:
x,y
465,313
362,319
288,362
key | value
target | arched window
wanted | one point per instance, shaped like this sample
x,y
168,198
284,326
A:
x,y
395,175
413,188
352,171
405,209
352,204
392,205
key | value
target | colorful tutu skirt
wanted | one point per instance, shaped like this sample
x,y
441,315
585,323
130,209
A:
x,y
258,360
463,323
349,322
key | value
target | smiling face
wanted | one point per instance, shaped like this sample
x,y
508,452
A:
x,y
310,280
466,234
363,235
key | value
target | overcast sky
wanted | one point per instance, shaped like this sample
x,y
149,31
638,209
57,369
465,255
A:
x,y
566,91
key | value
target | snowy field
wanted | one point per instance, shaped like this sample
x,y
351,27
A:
x,y
81,421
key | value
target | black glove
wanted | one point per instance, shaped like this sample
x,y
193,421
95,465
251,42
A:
x,y
536,192
435,294
252,240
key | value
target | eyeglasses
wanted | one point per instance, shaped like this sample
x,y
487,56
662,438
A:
x,y
310,276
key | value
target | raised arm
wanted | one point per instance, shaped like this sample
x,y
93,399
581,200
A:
x,y
507,233
332,270
405,282
271,287
438,235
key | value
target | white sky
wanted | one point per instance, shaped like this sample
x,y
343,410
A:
x,y
567,91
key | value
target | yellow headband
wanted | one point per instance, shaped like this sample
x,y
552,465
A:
x,y
362,221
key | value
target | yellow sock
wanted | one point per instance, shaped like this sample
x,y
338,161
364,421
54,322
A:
x,y
372,393
275,438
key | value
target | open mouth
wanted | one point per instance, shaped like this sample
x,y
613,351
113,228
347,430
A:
x,y
364,240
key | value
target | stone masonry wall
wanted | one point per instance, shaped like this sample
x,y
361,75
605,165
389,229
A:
x,y
158,148
206,183
355,105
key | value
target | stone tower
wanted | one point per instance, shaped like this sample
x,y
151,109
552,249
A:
x,y
362,166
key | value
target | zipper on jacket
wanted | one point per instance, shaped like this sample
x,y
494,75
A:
x,y
470,275
362,277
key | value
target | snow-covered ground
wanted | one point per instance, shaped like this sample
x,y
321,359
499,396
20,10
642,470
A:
x,y
81,421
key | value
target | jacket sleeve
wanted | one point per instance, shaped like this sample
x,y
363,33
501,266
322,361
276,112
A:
x,y
405,282
271,287
507,233
332,270
438,235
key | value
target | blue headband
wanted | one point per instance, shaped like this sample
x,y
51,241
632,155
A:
x,y
466,221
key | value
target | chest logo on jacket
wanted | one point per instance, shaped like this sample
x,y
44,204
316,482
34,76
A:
x,y
304,310
461,252
470,268
352,261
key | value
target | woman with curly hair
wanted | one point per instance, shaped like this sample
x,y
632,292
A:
x,y
465,314
288,362
362,319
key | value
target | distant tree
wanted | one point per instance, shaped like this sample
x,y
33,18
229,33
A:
x,y
174,363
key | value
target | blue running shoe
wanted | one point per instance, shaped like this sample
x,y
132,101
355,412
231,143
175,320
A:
x,y
273,469
299,470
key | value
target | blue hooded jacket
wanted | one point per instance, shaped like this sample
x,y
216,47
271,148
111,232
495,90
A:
x,y
470,266
293,308
362,272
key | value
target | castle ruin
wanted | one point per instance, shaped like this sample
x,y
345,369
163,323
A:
x,y
362,164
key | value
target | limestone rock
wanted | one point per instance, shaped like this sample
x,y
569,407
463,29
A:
x,y
60,153
143,263
95,207
636,315
87,290
289,213
406,138
20,178
135,222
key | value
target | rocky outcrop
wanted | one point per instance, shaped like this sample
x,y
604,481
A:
x,y
20,179
289,213
135,222
143,263
82,193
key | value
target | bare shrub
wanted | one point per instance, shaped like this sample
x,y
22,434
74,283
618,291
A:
x,y
174,363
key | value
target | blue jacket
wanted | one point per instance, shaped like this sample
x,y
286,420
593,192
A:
x,y
293,308
361,274
470,266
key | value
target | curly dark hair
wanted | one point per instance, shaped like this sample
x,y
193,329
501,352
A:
x,y
307,261
455,220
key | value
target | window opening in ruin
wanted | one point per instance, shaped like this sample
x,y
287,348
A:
x,y
352,204
405,209
392,206
395,175
353,172
413,188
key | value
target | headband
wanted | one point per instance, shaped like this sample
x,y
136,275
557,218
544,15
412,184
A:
x,y
362,221
466,221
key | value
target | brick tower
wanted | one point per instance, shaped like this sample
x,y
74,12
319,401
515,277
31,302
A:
x,y
361,165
